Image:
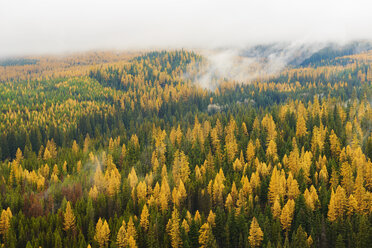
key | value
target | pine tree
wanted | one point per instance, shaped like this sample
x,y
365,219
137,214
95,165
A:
x,y
340,242
299,238
255,234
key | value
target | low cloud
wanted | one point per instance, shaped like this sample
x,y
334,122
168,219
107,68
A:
x,y
44,26
246,64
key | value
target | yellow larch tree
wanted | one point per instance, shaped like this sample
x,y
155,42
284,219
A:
x,y
164,195
68,218
255,234
360,193
292,187
334,178
230,141
179,194
112,178
277,185
244,128
144,220
294,158
47,155
19,156
270,126
206,238
132,177
301,126
276,208
287,215
5,218
352,205
337,204
132,242
52,148
102,233
347,181
255,181
181,170
197,217
216,188
99,179
311,198
229,203
305,163
322,165
75,147
250,152
173,229
335,144
317,140
185,226
237,165
211,218
160,147
141,191
271,151
131,229
121,240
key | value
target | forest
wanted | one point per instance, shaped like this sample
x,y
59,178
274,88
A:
x,y
109,149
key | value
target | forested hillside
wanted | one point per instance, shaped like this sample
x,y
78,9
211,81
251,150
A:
x,y
127,150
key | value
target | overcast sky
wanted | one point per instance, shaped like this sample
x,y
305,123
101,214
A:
x,y
56,26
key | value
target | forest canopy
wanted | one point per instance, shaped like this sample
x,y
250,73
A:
x,y
108,149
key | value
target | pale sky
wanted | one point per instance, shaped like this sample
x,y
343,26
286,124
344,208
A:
x,y
57,26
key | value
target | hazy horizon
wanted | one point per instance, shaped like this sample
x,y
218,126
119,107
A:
x,y
44,27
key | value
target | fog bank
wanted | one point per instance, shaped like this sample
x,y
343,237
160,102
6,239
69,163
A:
x,y
44,26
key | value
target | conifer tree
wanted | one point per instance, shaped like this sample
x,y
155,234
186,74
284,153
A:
x,y
144,221
121,239
255,233
287,215
300,126
206,238
69,218
173,229
102,233
5,217
276,209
